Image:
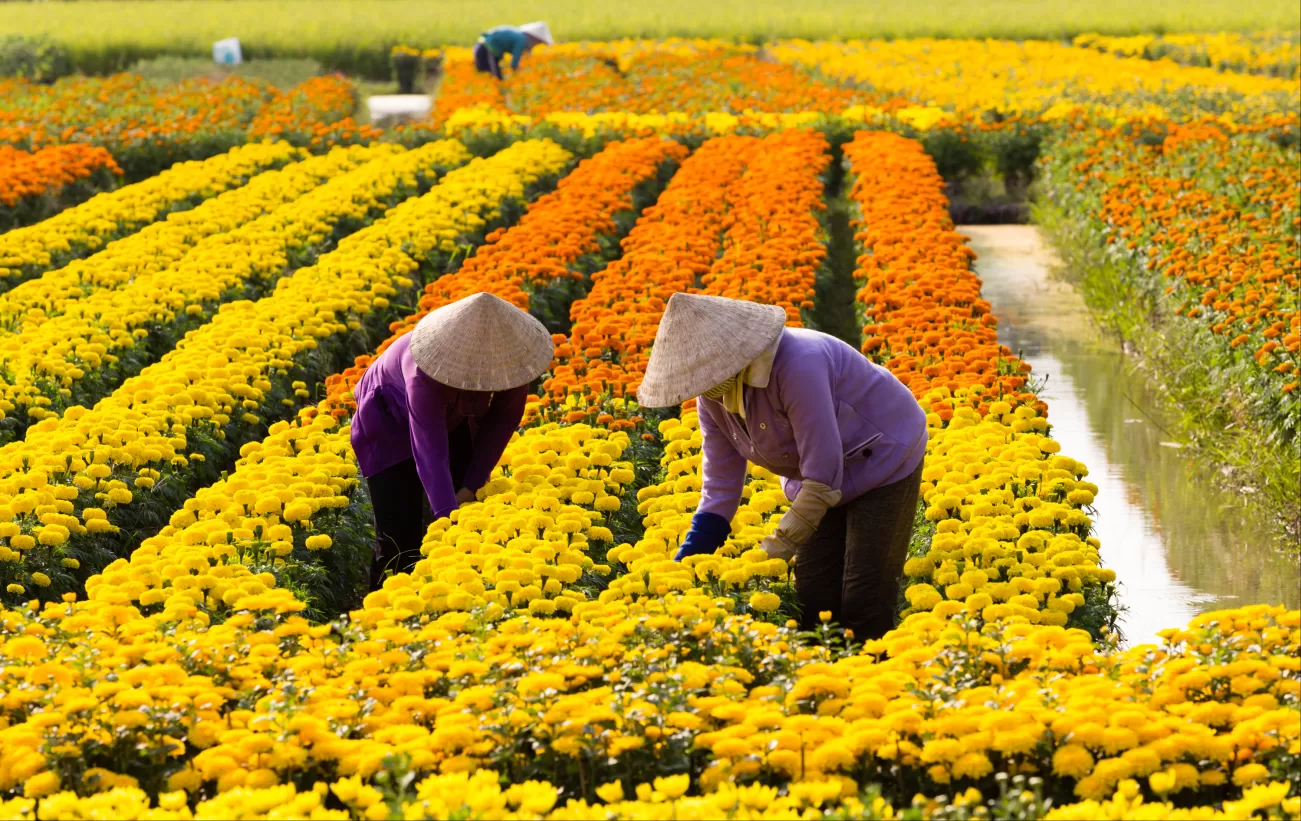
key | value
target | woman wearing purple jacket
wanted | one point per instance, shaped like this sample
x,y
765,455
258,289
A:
x,y
434,413
844,434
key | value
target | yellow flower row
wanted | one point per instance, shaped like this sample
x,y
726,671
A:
x,y
1010,538
1266,52
50,360
161,244
85,229
465,122
738,569
624,686
220,552
974,76
224,378
525,545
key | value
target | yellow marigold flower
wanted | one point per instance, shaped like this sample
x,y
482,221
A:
x,y
1250,774
297,511
610,793
973,766
673,786
542,607
765,602
318,541
41,784
41,579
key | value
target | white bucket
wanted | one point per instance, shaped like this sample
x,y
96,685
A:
x,y
227,52
399,106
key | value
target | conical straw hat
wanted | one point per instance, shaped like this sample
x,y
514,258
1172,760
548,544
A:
x,y
539,31
705,340
481,343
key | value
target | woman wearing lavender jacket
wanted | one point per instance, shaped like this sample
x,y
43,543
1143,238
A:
x,y
844,434
434,414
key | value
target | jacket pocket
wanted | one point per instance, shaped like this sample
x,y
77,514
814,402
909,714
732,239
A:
x,y
857,433
858,438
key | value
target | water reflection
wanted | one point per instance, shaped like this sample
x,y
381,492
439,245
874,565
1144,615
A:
x,y
1179,543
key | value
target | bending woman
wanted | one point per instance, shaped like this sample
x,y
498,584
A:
x,y
434,413
844,434
495,43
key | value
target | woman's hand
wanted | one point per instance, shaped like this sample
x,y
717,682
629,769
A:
x,y
707,534
464,496
801,520
778,548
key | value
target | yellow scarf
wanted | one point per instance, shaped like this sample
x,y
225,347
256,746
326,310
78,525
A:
x,y
732,390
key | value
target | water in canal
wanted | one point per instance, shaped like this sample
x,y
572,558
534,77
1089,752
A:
x,y
1179,543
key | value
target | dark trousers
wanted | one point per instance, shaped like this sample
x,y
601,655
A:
x,y
854,561
484,62
401,508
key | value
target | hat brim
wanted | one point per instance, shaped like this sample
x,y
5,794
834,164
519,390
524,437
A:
x,y
482,343
703,341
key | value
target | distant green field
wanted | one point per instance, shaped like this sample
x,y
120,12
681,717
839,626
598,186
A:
x,y
354,35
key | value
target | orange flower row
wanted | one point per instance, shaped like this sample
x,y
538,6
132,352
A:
x,y
756,198
556,232
675,242
925,319
316,112
25,176
464,87
773,248
568,224
663,82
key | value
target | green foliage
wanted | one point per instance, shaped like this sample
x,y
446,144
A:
x,y
39,59
281,73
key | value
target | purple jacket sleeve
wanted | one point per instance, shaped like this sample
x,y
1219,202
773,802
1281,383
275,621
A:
x,y
495,430
722,467
805,394
428,422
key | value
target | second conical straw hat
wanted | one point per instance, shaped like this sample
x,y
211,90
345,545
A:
x,y
703,341
481,343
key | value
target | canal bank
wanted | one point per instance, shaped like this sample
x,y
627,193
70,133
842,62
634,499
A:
x,y
1179,542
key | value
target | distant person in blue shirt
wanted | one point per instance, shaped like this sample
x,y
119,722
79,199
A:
x,y
496,43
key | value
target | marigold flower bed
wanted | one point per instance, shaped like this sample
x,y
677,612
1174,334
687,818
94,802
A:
x,y
323,550
1219,218
317,114
1009,537
144,126
539,663
123,466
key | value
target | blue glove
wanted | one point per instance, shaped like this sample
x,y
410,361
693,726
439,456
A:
x,y
707,534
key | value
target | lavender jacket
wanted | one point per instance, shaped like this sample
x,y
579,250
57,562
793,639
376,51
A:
x,y
404,414
828,414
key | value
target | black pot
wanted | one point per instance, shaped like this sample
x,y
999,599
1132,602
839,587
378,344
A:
x,y
406,66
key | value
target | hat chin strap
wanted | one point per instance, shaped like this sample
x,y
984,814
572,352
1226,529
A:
x,y
719,390
731,392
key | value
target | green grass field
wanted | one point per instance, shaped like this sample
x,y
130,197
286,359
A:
x,y
354,36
